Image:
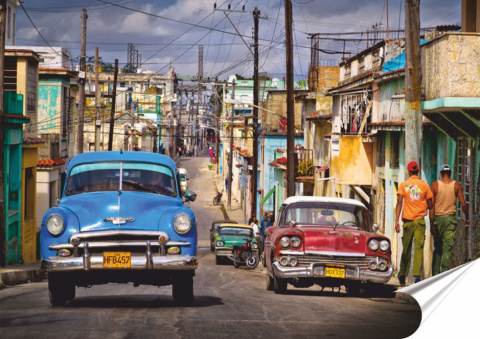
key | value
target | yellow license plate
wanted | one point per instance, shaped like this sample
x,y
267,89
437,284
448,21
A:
x,y
334,272
117,259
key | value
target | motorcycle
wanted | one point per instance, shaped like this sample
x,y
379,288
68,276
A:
x,y
218,198
244,255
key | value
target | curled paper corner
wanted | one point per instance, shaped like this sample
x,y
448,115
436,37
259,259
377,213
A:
x,y
447,302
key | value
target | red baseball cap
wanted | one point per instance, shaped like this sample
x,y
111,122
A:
x,y
412,166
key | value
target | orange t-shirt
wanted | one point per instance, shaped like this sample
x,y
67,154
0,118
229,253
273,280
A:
x,y
415,194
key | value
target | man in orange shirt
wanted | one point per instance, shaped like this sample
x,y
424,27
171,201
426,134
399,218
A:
x,y
416,198
443,222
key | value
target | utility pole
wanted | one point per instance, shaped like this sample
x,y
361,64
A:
x,y
388,34
256,14
413,82
230,160
81,81
199,94
3,245
217,132
112,113
98,105
290,104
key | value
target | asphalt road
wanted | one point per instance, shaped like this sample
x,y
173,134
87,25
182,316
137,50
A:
x,y
229,302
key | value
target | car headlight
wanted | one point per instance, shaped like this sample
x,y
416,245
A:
x,y
284,242
55,224
373,244
220,243
296,242
182,223
384,245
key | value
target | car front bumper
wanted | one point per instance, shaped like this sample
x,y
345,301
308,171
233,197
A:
x,y
316,271
138,262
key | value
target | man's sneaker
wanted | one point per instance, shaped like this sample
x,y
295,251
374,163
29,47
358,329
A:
x,y
401,280
417,279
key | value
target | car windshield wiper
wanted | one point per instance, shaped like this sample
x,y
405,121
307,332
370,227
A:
x,y
140,185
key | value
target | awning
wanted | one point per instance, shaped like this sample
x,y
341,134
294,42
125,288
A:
x,y
264,200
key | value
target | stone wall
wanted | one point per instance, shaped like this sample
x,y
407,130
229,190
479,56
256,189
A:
x,y
451,67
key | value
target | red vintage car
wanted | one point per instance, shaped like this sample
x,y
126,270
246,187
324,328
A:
x,y
325,241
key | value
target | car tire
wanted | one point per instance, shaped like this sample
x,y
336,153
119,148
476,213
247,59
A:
x,y
269,282
60,289
212,248
218,260
279,285
182,289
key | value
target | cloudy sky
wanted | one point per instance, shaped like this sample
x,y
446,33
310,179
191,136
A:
x,y
169,31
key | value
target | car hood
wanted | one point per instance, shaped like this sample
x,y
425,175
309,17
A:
x,y
145,209
231,240
329,240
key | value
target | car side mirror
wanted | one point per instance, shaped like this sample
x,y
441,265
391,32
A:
x,y
190,195
375,227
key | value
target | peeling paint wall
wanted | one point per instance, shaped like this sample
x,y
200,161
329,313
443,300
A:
x,y
354,164
49,107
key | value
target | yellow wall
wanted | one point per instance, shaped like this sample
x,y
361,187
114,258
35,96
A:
x,y
353,165
29,201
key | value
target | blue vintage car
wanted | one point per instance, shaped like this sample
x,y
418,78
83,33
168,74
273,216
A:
x,y
121,219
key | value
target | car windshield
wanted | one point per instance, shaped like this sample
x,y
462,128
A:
x,y
326,214
236,231
124,176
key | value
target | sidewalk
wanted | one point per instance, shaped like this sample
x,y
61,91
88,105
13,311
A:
x,y
20,274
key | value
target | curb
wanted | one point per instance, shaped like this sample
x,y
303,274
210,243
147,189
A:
x,y
20,276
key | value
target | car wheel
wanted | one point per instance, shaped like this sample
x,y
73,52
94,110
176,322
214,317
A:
x,y
60,289
279,285
182,289
353,289
218,260
269,282
212,248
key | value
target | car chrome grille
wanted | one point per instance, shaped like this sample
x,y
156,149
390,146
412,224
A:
x,y
327,259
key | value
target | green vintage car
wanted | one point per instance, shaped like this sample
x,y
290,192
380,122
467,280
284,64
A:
x,y
229,235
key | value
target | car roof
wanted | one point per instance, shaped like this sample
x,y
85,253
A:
x,y
89,157
223,221
236,225
295,199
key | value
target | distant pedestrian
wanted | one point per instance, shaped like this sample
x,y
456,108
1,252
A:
x,y
256,231
416,198
210,152
264,224
226,184
443,222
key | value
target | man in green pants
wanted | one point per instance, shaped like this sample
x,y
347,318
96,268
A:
x,y
443,219
416,197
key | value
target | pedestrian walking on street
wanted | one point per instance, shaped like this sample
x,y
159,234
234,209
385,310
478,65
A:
x,y
415,196
443,222
226,184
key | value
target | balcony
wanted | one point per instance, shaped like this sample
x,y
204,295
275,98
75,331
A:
x,y
451,72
